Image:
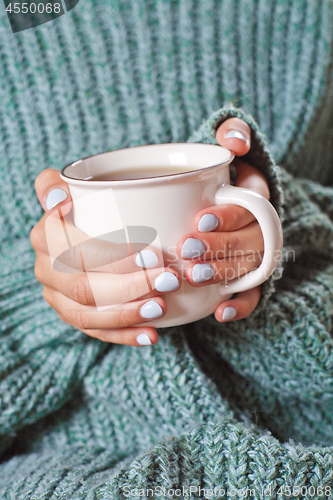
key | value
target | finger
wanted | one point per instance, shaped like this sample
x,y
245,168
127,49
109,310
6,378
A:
x,y
102,257
234,134
251,178
127,336
222,218
71,250
114,316
222,271
240,307
233,217
53,193
106,289
218,245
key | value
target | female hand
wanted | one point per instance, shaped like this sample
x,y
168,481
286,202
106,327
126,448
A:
x,y
107,274
81,275
228,240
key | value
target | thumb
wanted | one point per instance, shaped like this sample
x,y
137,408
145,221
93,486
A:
x,y
53,193
235,135
251,178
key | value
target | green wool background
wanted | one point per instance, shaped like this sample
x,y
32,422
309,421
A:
x,y
235,405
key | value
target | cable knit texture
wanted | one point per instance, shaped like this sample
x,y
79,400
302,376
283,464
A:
x,y
245,404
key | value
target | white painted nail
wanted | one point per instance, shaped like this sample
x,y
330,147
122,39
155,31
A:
x,y
146,258
55,197
208,222
166,282
143,339
236,134
202,272
229,313
151,310
192,248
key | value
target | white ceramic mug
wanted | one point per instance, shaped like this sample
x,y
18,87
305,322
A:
x,y
168,204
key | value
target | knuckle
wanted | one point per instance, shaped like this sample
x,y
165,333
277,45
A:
x,y
231,217
42,177
62,317
35,237
39,179
232,242
79,291
75,258
46,295
40,275
81,320
117,252
65,319
136,288
236,218
123,318
97,334
72,257
227,244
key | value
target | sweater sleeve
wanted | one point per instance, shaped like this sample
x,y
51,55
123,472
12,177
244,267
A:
x,y
320,195
258,156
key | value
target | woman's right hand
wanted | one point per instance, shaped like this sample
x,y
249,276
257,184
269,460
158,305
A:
x,y
81,275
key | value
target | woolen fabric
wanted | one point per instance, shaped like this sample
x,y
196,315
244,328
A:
x,y
244,404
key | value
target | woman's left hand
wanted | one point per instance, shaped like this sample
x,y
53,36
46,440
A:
x,y
228,240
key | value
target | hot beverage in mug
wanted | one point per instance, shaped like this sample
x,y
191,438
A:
x,y
131,173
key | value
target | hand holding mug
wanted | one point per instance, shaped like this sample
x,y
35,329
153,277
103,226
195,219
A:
x,y
93,270
229,227
122,282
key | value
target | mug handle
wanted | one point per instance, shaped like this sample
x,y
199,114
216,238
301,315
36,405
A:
x,y
271,229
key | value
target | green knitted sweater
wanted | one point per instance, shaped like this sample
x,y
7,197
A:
x,y
212,409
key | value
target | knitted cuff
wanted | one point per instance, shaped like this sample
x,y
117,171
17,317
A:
x,y
259,157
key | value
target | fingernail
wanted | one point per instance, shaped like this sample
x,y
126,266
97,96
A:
x,y
236,134
146,258
143,339
229,313
166,282
208,222
192,248
202,272
151,310
55,197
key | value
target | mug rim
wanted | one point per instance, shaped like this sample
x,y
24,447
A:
x,y
91,182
